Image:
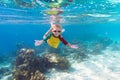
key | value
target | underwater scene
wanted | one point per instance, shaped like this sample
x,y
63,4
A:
x,y
82,40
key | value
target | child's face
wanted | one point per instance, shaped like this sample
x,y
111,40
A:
x,y
56,31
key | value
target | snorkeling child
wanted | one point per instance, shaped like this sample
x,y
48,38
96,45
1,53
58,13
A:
x,y
54,38
50,30
54,19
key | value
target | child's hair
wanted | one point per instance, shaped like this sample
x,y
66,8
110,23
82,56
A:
x,y
56,26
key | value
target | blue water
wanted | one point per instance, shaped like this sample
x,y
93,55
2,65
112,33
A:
x,y
17,33
83,21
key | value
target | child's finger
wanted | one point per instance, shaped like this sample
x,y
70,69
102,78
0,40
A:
x,y
36,40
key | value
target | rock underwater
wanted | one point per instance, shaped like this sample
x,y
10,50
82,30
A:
x,y
28,66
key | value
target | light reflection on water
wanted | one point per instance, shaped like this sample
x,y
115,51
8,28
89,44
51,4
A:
x,y
78,12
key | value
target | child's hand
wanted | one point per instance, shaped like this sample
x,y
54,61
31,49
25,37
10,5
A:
x,y
38,42
74,46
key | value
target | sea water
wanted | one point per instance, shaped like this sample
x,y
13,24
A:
x,y
87,23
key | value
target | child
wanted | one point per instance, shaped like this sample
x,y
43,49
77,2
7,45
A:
x,y
54,19
54,38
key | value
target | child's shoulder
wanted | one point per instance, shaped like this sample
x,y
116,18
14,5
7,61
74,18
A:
x,y
60,36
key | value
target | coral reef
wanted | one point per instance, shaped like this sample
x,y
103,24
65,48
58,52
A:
x,y
28,66
37,76
56,61
4,71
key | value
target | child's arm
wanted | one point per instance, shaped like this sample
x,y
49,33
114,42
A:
x,y
72,46
38,42
47,33
68,44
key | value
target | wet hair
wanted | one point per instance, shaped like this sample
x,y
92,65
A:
x,y
57,26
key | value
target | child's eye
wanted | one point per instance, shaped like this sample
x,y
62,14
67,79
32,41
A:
x,y
57,31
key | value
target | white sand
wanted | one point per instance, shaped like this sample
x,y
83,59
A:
x,y
99,67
